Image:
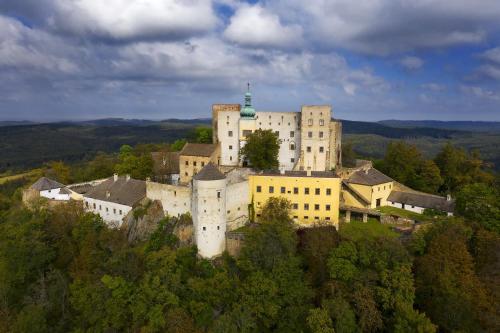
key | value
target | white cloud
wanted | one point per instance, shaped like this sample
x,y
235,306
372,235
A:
x,y
411,62
23,48
436,87
254,26
480,92
386,26
492,55
125,20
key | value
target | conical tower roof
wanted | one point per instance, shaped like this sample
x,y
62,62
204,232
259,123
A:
x,y
209,172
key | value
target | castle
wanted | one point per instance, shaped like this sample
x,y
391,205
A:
x,y
216,185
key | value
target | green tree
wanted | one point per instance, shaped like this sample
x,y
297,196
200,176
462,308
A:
x,y
319,321
203,134
178,145
59,171
261,150
137,166
348,154
480,203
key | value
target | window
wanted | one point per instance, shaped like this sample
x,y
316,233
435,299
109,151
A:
x,y
218,227
185,173
230,158
321,149
306,190
100,207
121,213
86,204
321,134
316,207
94,205
295,206
308,149
283,189
316,217
306,217
114,210
230,147
295,190
277,133
107,209
229,212
309,134
292,146
259,189
295,217
292,133
230,133
321,122
328,191
204,228
317,191
202,164
187,163
194,163
310,122
292,160
306,206
327,218
327,207
218,194
271,189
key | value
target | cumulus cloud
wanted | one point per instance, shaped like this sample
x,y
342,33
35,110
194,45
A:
x,y
387,26
432,86
480,92
411,62
23,48
254,26
492,55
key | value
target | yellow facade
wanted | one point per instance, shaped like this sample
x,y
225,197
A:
x,y
374,195
313,198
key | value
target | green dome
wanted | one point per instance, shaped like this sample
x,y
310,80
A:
x,y
248,111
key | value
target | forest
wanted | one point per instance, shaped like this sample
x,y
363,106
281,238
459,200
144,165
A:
x,y
63,270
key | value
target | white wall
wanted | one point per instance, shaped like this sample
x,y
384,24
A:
x,y
228,121
315,119
284,123
112,213
410,208
237,200
209,216
53,194
175,199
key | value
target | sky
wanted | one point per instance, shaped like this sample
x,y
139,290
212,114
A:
x,y
158,59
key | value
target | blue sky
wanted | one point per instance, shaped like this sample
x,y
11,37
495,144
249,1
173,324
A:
x,y
158,59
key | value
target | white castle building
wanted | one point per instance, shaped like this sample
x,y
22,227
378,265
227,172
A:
x,y
310,139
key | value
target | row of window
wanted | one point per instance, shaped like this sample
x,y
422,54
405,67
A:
x,y
306,217
100,208
379,188
283,190
310,134
306,206
310,122
321,149
194,163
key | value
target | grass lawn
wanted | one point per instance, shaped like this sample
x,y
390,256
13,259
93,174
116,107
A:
x,y
7,178
405,213
357,230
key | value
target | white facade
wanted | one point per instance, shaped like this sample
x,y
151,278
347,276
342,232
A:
x,y
209,216
410,208
175,199
112,213
54,194
228,136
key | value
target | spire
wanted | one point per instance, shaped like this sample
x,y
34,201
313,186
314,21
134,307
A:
x,y
248,111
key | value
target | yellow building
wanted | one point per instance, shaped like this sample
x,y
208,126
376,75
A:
x,y
194,156
368,188
314,195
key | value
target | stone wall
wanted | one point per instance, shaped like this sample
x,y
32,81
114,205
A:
x,y
175,199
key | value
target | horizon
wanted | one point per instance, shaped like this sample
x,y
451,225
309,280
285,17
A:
x,y
372,61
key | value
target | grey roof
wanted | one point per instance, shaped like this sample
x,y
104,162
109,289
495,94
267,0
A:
x,y
422,200
165,162
64,190
209,172
122,191
45,183
80,188
198,149
317,174
369,177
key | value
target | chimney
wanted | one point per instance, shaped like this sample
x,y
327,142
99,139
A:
x,y
127,177
282,170
308,172
366,171
108,194
115,177
448,197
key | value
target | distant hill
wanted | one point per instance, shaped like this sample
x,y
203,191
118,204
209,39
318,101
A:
x,y
16,123
475,126
361,127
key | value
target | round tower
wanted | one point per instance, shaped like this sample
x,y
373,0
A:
x,y
209,211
